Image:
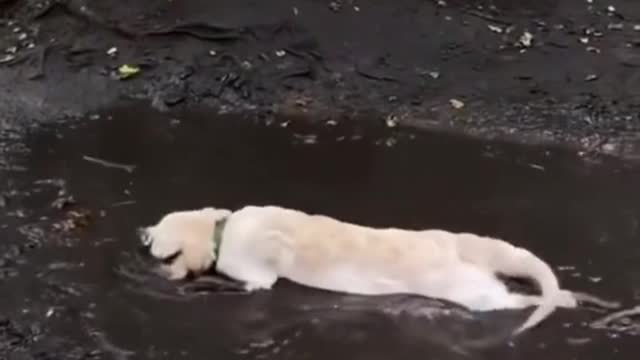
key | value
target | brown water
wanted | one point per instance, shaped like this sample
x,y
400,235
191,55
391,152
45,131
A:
x,y
86,294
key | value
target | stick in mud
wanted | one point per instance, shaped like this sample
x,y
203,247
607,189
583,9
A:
x,y
110,164
585,298
603,322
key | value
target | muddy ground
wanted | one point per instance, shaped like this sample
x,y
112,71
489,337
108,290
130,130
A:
x,y
74,285
321,106
531,71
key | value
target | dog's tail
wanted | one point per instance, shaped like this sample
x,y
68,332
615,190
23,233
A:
x,y
504,258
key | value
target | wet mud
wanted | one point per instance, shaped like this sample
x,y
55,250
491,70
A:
x,y
74,286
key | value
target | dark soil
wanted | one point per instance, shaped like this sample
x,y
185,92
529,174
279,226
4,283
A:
x,y
575,82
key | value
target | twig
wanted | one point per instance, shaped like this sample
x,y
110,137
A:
x,y
603,322
486,17
110,164
123,203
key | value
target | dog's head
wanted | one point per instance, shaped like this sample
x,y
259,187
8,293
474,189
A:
x,y
183,241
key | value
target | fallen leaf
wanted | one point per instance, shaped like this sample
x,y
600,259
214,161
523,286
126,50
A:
x,y
126,71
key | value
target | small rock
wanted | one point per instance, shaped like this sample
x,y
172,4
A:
x,y
280,53
113,51
3,201
636,27
457,104
611,8
434,74
213,53
593,49
584,40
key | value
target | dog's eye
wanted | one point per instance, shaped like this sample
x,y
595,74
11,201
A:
x,y
171,258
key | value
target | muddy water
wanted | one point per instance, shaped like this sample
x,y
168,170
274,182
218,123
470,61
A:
x,y
85,293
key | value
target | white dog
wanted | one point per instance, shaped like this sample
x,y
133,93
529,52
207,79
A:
x,y
258,245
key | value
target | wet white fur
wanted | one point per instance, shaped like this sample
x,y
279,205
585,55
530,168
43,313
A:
x,y
261,244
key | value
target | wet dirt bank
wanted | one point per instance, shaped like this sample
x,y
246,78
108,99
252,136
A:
x,y
73,286
560,72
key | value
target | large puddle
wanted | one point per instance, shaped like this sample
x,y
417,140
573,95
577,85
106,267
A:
x,y
85,293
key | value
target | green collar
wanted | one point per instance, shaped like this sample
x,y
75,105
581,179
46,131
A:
x,y
217,236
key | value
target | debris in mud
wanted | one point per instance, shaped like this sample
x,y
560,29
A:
x,y
578,341
63,202
7,58
526,39
306,139
495,29
127,71
592,49
456,104
75,219
615,26
391,121
591,77
620,322
109,164
335,6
